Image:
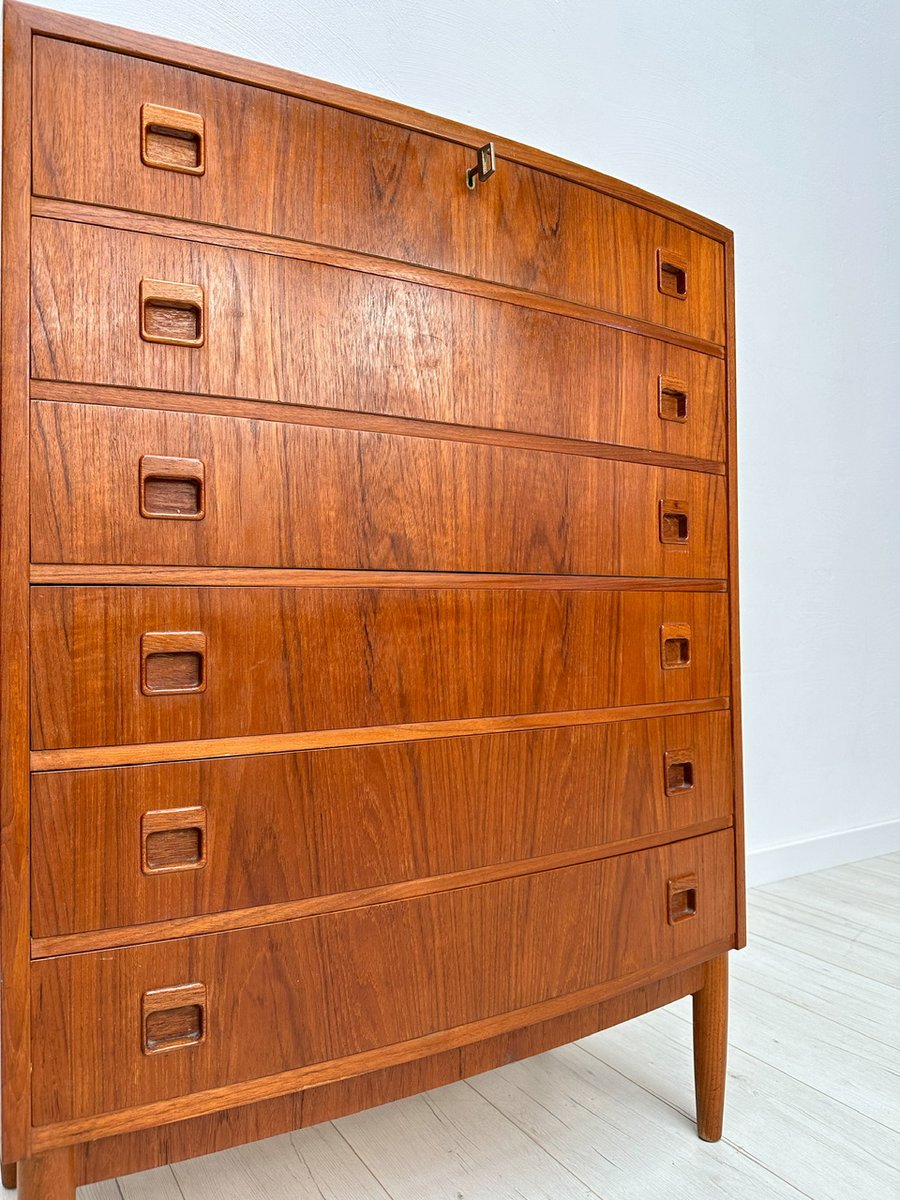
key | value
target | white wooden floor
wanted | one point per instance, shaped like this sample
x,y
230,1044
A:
x,y
813,1105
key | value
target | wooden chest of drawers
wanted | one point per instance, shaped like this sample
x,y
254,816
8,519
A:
x,y
368,662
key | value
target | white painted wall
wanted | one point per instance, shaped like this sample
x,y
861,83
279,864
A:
x,y
781,119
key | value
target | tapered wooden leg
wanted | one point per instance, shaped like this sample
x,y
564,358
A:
x,y
8,1175
711,1047
48,1176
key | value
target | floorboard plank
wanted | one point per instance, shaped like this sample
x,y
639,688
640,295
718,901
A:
x,y
160,1184
884,869
843,942
872,904
865,1005
617,1137
452,1143
314,1162
803,1136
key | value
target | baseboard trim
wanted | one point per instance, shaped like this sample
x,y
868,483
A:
x,y
816,854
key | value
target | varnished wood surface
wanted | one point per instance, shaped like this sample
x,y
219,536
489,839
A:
x,y
710,1004
186,1107
369,186
229,747
289,910
203,1135
283,495
347,983
288,659
296,332
369,264
287,827
406,293
331,418
14,617
148,46
734,623
286,577
48,1176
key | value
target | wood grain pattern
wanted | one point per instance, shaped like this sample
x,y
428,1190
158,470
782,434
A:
x,y
285,577
14,622
499,424
48,1176
711,1047
330,418
172,140
47,1137
284,495
285,827
155,1146
369,264
271,664
734,622
368,186
295,332
320,739
272,914
228,66
346,983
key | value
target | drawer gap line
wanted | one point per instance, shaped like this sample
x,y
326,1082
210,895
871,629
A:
x,y
159,575
78,757
282,412
135,221
208,924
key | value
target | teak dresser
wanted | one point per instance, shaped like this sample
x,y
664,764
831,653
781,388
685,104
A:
x,y
369,623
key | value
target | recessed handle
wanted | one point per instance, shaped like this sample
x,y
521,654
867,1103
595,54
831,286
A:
x,y
674,526
674,646
173,839
172,489
682,898
173,663
172,140
671,274
172,313
173,1017
673,399
678,771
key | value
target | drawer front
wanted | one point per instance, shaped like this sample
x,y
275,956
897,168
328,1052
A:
x,y
284,330
133,844
292,167
120,485
131,1026
144,664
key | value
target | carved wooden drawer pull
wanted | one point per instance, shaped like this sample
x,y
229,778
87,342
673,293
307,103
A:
x,y
682,898
673,399
172,313
674,646
173,663
173,839
172,140
671,274
172,488
173,1017
679,772
674,528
